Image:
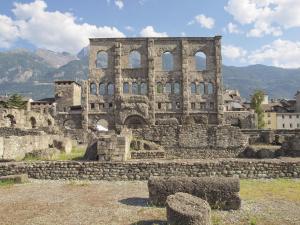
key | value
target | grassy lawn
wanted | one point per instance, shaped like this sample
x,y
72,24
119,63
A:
x,y
6,183
76,154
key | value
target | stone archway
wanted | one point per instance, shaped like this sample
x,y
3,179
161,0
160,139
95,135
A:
x,y
33,122
11,119
135,122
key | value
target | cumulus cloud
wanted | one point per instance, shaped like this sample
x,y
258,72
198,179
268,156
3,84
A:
x,y
268,17
119,4
150,32
129,28
204,21
281,53
233,52
8,32
56,30
232,28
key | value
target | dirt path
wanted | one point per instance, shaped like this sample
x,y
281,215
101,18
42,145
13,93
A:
x,y
114,203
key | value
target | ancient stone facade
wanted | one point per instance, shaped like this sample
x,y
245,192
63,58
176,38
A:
x,y
67,94
134,82
244,168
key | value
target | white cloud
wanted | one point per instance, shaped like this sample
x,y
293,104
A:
x,y
281,53
129,28
232,28
204,21
150,32
8,32
234,53
56,31
119,4
268,17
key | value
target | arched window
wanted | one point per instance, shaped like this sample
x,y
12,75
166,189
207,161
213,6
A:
x,y
126,88
102,60
135,88
167,61
159,88
110,89
200,61
210,88
102,88
201,89
93,89
176,88
168,88
134,59
143,88
33,122
193,88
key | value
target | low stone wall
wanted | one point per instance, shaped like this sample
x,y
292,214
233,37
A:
x,y
142,170
196,140
15,147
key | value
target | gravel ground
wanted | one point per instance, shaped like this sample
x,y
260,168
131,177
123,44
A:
x,y
117,203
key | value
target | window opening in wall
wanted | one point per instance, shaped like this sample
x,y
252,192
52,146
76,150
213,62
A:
x,y
110,105
202,105
159,105
282,116
200,61
125,88
102,60
210,88
176,88
93,89
159,87
193,88
110,89
102,88
135,88
144,88
201,88
283,125
193,105
168,88
211,105
290,116
92,105
177,105
291,125
134,59
167,61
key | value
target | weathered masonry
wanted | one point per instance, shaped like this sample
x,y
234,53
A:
x,y
135,82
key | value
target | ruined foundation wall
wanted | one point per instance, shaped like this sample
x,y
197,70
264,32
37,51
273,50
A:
x,y
195,141
15,147
244,168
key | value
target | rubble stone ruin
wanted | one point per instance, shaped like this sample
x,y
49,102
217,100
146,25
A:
x,y
135,82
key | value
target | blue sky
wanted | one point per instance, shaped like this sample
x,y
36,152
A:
x,y
254,31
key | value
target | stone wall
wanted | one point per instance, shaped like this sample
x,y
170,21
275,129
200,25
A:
x,y
15,147
269,136
241,119
137,170
195,140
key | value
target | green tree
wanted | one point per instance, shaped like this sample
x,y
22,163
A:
x,y
256,101
16,101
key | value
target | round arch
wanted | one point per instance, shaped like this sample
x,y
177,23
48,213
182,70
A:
x,y
135,122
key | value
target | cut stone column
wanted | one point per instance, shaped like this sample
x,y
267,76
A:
x,y
185,209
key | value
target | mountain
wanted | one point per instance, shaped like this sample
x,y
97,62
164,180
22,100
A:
x,y
55,59
30,74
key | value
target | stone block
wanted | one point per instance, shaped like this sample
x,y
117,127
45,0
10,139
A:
x,y
219,192
185,209
63,144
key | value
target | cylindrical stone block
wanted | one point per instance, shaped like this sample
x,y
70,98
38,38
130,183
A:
x,y
185,209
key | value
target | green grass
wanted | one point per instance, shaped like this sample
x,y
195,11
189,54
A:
x,y
76,154
286,189
6,183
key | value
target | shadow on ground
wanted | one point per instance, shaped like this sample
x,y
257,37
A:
x,y
150,222
135,201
